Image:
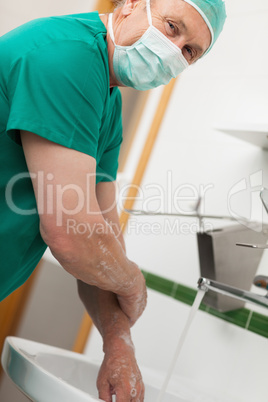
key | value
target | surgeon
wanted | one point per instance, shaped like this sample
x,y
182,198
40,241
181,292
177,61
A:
x,y
60,125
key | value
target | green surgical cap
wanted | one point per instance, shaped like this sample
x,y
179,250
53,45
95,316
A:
x,y
213,13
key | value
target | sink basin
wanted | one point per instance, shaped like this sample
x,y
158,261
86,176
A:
x,y
49,374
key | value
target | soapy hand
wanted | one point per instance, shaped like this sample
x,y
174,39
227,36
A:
x,y
134,303
119,374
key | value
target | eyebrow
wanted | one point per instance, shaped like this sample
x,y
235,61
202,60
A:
x,y
199,49
180,22
184,27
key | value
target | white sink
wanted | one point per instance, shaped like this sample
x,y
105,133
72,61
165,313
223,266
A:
x,y
49,374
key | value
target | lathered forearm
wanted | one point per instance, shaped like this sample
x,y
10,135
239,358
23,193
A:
x,y
105,311
100,260
96,258
119,373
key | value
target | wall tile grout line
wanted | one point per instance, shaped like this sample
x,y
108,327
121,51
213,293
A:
x,y
249,319
174,290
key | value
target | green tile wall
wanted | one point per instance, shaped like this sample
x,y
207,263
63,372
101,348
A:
x,y
247,319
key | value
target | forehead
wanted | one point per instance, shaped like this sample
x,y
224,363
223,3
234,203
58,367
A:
x,y
175,6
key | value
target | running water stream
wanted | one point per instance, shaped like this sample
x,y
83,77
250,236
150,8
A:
x,y
195,307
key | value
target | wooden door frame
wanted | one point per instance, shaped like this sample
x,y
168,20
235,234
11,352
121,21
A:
x,y
13,306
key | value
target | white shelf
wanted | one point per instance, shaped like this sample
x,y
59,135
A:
x,y
256,134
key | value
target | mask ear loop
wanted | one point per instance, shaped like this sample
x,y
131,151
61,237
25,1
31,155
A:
x,y
110,26
110,20
149,14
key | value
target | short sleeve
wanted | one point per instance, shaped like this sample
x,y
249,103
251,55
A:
x,y
58,91
107,169
108,165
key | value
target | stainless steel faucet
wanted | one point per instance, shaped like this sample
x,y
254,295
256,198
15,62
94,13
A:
x,y
260,281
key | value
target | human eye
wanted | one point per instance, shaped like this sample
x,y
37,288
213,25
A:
x,y
171,28
188,53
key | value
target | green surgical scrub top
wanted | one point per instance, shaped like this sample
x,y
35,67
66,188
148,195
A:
x,y
54,82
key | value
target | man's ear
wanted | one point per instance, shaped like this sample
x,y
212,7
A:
x,y
129,6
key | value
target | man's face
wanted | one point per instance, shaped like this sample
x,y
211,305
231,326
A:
x,y
176,19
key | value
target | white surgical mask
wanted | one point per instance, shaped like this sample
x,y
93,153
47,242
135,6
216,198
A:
x,y
151,61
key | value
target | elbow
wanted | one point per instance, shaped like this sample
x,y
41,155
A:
x,y
57,240
75,250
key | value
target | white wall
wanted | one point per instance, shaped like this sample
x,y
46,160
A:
x,y
229,85
16,12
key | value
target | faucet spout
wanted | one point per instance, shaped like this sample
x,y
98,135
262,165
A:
x,y
208,284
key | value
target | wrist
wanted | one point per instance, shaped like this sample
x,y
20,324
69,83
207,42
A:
x,y
114,328
119,345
